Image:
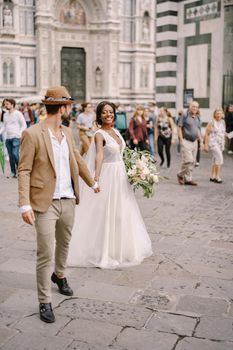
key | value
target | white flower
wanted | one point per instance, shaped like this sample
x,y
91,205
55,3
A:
x,y
143,176
131,172
144,159
145,171
140,164
155,178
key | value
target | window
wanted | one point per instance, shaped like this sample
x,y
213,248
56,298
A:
x,y
27,17
126,75
28,71
8,69
128,21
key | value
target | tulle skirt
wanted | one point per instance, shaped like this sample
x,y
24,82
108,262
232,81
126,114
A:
x,y
109,231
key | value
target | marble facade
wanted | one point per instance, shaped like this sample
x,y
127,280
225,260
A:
x,y
133,50
116,36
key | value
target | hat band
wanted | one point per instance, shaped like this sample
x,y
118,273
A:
x,y
47,98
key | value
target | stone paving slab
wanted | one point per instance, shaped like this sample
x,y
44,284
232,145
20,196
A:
x,y
180,286
104,291
19,265
17,280
174,324
215,328
216,288
200,344
231,308
77,345
136,279
154,300
132,339
92,274
5,292
202,306
24,341
118,314
6,334
91,331
33,325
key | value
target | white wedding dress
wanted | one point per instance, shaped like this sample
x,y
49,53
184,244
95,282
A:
x,y
108,231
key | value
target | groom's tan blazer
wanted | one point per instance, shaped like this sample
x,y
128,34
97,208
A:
x,y
36,171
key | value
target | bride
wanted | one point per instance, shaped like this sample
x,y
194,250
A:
x,y
109,231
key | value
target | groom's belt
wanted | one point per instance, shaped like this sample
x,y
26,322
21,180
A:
x,y
58,199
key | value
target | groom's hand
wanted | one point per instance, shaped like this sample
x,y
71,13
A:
x,y
28,217
97,189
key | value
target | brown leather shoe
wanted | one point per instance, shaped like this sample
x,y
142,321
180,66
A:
x,y
191,183
180,179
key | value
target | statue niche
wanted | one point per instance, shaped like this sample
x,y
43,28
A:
x,y
98,78
7,14
146,27
72,13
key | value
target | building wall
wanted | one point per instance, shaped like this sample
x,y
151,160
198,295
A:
x,y
189,54
17,49
119,64
136,50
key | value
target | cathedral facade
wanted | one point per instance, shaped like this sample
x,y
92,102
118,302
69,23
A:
x,y
128,51
99,49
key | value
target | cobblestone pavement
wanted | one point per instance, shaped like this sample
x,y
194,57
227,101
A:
x,y
181,298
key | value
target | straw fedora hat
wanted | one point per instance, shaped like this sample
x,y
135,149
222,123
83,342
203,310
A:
x,y
57,95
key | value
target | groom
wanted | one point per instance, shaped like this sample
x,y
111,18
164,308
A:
x,y
48,174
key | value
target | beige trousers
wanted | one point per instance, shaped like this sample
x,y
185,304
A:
x,y
53,231
85,142
188,159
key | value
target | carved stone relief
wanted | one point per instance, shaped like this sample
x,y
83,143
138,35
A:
x,y
7,14
144,76
72,13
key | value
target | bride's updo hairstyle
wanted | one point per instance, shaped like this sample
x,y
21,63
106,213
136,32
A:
x,y
99,110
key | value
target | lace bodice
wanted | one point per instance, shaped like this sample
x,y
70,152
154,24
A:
x,y
112,150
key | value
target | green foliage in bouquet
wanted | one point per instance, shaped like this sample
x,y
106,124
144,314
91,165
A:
x,y
141,170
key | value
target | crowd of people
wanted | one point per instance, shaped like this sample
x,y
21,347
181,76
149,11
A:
x,y
43,155
148,128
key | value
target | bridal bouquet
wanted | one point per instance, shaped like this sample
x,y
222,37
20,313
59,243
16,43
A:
x,y
141,170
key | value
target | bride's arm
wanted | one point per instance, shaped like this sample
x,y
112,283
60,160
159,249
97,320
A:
x,y
99,142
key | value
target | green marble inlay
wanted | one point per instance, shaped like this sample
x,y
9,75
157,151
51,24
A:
x,y
167,28
165,89
165,43
202,10
167,13
166,104
166,74
166,58
161,1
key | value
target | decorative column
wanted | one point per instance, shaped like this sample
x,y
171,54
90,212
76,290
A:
x,y
44,36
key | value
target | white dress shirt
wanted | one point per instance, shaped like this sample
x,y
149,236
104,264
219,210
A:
x,y
63,188
14,124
